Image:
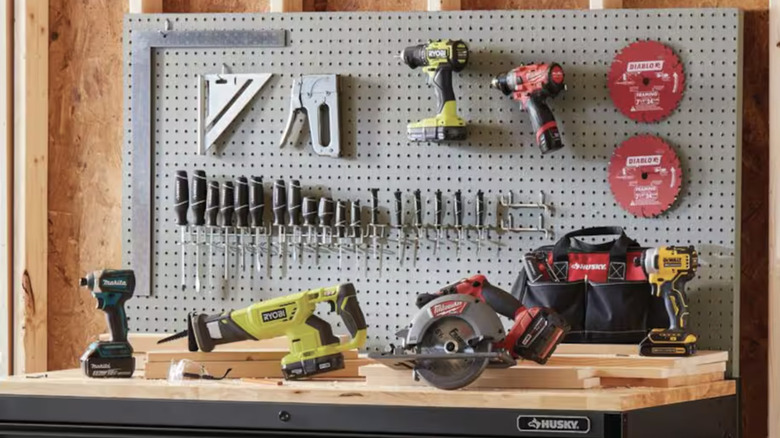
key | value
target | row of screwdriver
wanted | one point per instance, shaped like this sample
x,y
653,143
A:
x,y
235,211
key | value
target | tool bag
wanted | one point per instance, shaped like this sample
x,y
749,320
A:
x,y
597,287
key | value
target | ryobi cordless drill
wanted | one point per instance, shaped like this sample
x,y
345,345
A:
x,y
668,268
531,85
439,58
313,347
113,358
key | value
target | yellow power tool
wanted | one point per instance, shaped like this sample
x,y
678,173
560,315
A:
x,y
668,269
313,347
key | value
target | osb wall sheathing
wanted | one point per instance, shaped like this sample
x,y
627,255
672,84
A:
x,y
85,125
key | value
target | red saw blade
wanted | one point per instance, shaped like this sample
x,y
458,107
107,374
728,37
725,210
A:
x,y
646,81
645,175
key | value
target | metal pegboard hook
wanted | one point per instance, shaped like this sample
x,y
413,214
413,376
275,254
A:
x,y
508,202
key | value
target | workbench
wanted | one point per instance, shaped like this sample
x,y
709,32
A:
x,y
65,401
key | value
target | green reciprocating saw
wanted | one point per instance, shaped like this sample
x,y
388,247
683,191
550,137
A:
x,y
113,358
313,347
439,58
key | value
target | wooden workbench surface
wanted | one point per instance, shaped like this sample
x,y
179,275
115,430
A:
x,y
73,383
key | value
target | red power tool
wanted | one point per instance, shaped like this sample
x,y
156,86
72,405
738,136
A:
x,y
531,85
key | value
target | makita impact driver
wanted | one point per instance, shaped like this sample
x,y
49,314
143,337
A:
x,y
531,85
113,358
439,58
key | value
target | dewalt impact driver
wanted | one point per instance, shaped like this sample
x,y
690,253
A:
x,y
113,358
439,58
531,85
668,268
313,347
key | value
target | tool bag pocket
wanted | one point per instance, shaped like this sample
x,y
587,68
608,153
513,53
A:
x,y
617,312
567,299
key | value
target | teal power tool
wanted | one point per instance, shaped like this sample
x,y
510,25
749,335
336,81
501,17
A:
x,y
113,358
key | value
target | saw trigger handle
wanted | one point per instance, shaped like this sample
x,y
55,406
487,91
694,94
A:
x,y
349,309
500,300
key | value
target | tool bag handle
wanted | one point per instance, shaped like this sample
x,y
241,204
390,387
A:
x,y
617,248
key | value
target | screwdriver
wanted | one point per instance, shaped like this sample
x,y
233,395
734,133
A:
x,y
399,220
310,222
256,210
325,215
341,226
356,231
180,207
198,205
417,221
374,218
279,196
227,220
437,218
459,220
212,211
242,217
294,212
480,204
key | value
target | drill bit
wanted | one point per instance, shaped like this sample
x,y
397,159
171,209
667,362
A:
x,y
279,196
438,214
325,215
309,213
356,232
399,221
294,212
198,205
227,209
418,223
341,228
256,210
212,212
458,214
180,207
242,218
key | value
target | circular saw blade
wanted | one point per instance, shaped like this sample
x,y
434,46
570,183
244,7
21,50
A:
x,y
645,175
451,334
646,81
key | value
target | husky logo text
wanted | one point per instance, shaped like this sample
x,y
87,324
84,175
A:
x,y
539,423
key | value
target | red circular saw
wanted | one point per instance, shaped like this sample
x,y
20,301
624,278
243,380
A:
x,y
645,175
646,81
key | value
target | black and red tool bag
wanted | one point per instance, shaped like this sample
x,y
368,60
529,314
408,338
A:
x,y
596,287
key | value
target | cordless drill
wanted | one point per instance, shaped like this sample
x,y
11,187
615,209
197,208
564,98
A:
x,y
531,85
668,268
439,58
113,358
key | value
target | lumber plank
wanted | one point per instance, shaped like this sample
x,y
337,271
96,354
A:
x,y
145,6
606,4
659,372
286,5
669,382
443,5
774,220
227,355
252,369
6,175
605,360
147,342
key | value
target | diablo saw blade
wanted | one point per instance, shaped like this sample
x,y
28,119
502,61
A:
x,y
646,81
645,175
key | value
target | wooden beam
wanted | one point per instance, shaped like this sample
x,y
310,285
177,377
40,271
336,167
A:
x,y
146,6
6,175
286,6
31,148
606,4
774,219
443,5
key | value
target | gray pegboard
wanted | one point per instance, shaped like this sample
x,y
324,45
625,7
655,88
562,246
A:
x,y
380,95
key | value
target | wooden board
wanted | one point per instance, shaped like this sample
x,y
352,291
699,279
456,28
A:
x,y
622,349
251,369
146,342
227,355
72,383
617,360
670,382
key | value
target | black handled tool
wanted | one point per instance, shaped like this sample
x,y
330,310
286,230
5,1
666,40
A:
x,y
294,213
242,217
227,210
325,215
418,221
279,197
458,213
377,232
212,212
309,213
356,231
438,216
341,227
198,206
256,212
480,218
398,212
181,205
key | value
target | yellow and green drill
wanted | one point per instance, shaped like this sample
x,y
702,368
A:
x,y
439,58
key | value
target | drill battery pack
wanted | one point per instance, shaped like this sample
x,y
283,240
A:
x,y
108,359
663,342
311,367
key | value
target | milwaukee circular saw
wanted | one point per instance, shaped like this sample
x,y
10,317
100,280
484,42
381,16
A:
x,y
457,333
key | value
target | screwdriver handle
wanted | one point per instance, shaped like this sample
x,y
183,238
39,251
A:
x,y
181,198
341,218
256,201
280,202
458,208
198,199
242,202
374,206
212,203
399,208
354,213
480,208
294,202
325,212
437,210
226,207
309,211
417,208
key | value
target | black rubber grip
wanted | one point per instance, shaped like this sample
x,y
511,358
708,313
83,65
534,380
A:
x,y
226,207
399,208
458,208
325,212
212,203
181,197
242,202
294,202
500,300
256,201
309,211
198,197
279,201
417,208
548,138
354,214
438,212
341,218
374,206
480,208
349,309
442,86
